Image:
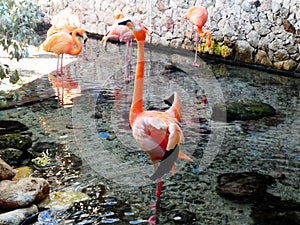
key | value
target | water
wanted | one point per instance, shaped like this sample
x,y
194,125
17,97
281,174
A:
x,y
93,124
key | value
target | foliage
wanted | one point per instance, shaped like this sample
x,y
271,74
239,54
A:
x,y
18,19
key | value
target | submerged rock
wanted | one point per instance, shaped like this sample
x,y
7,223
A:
x,y
6,171
252,188
17,216
243,186
11,126
12,155
22,193
18,141
63,200
241,110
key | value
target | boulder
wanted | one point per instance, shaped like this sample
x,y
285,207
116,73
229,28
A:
x,y
241,110
22,193
6,171
18,141
12,156
11,126
17,216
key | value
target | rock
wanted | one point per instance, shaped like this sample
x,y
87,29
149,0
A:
x,y
6,171
23,172
262,58
19,141
11,126
244,52
251,187
17,216
243,186
22,193
11,155
241,110
270,209
288,27
289,65
281,55
63,200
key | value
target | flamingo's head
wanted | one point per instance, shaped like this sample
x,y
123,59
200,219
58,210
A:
x,y
138,30
82,33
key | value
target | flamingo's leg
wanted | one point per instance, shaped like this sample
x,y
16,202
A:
x,y
61,64
195,60
158,192
57,66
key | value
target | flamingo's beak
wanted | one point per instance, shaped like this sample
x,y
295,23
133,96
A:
x,y
131,25
85,37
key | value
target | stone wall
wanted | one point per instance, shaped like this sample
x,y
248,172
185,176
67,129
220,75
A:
x,y
264,32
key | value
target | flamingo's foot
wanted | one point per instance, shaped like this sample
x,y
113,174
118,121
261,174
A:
x,y
128,79
195,64
152,220
152,206
155,206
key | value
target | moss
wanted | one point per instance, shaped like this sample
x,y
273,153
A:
x,y
18,141
242,110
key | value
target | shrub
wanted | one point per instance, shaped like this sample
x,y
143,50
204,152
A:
x,y
18,20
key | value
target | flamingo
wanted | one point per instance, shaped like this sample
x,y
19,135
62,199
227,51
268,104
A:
x,y
65,20
197,15
157,133
63,43
123,34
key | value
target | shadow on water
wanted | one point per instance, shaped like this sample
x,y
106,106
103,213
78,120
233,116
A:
x,y
94,126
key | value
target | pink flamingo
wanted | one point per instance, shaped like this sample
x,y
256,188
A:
x,y
121,33
197,15
157,133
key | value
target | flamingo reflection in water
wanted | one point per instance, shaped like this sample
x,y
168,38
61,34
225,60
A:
x,y
66,88
197,16
158,133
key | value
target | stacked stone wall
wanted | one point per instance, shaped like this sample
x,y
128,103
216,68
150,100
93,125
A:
x,y
265,32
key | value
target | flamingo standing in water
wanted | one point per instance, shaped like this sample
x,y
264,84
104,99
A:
x,y
65,20
197,15
123,34
63,43
157,133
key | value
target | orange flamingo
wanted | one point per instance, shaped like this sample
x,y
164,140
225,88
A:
x,y
65,20
157,133
197,15
63,43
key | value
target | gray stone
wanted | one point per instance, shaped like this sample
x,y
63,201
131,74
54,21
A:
x,y
261,29
276,44
17,216
244,51
281,55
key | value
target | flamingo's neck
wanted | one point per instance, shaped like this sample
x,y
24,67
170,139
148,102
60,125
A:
x,y
77,50
137,101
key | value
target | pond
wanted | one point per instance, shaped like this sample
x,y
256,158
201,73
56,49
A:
x,y
89,118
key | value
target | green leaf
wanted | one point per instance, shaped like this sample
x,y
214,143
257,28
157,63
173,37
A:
x,y
14,77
